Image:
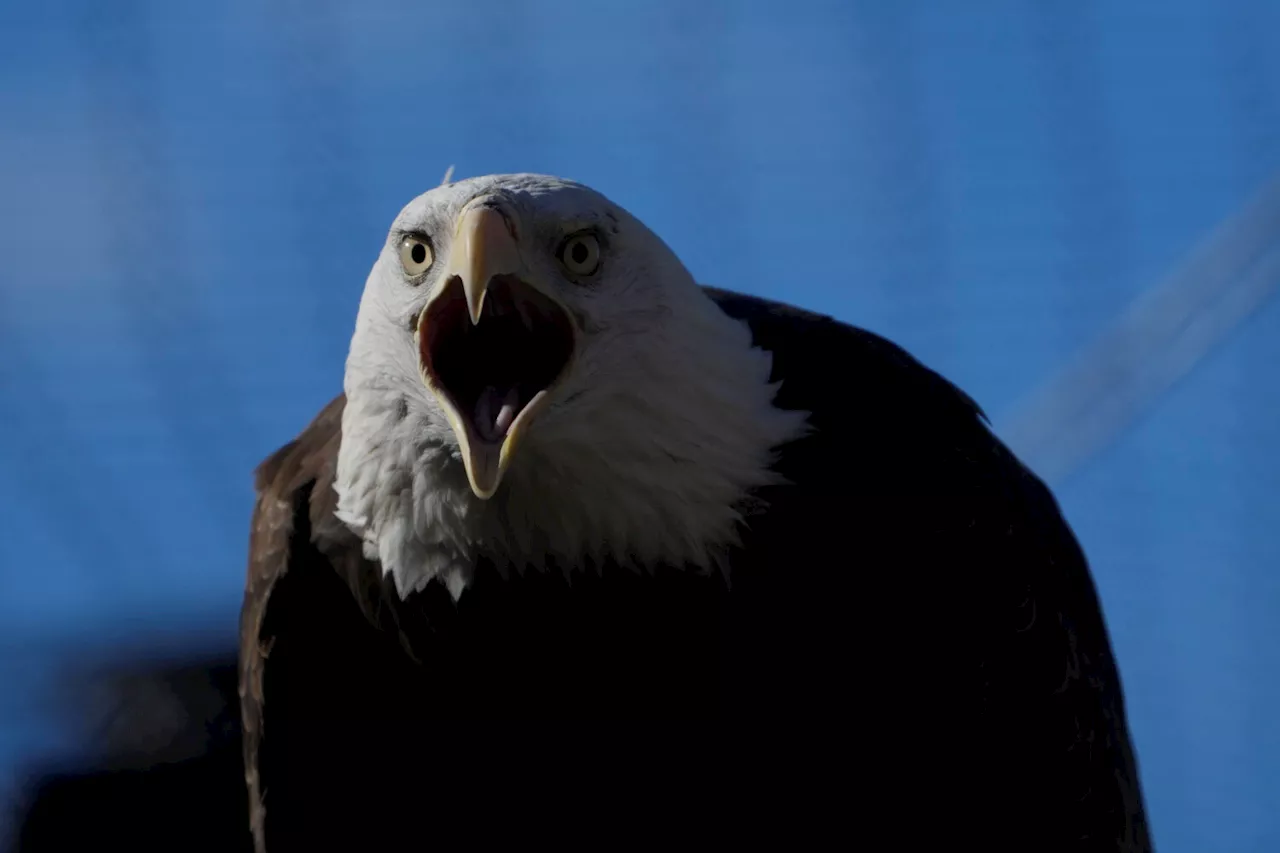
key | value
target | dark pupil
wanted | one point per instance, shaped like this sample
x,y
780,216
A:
x,y
419,253
579,252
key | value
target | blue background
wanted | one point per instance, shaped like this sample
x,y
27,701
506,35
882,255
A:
x,y
191,196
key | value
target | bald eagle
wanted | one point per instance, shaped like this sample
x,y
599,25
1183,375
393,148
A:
x,y
586,551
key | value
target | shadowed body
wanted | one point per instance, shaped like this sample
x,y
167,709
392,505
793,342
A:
x,y
907,644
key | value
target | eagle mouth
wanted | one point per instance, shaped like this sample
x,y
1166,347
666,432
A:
x,y
494,371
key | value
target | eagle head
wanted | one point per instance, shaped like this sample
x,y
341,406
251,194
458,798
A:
x,y
534,374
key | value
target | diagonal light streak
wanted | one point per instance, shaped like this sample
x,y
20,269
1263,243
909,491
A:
x,y
1157,341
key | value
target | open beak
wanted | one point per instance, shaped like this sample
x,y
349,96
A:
x,y
491,344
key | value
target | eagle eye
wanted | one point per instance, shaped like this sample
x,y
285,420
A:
x,y
415,255
580,254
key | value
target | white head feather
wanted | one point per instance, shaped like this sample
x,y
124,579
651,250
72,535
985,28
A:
x,y
643,453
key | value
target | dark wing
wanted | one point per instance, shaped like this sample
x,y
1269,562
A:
x,y
974,578
281,483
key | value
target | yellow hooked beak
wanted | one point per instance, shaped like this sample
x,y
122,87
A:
x,y
491,378
483,247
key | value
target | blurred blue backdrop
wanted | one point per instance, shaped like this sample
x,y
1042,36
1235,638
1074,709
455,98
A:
x,y
191,196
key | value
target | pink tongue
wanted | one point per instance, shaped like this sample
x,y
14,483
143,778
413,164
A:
x,y
494,413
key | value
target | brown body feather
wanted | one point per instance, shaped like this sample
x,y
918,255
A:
x,y
909,641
